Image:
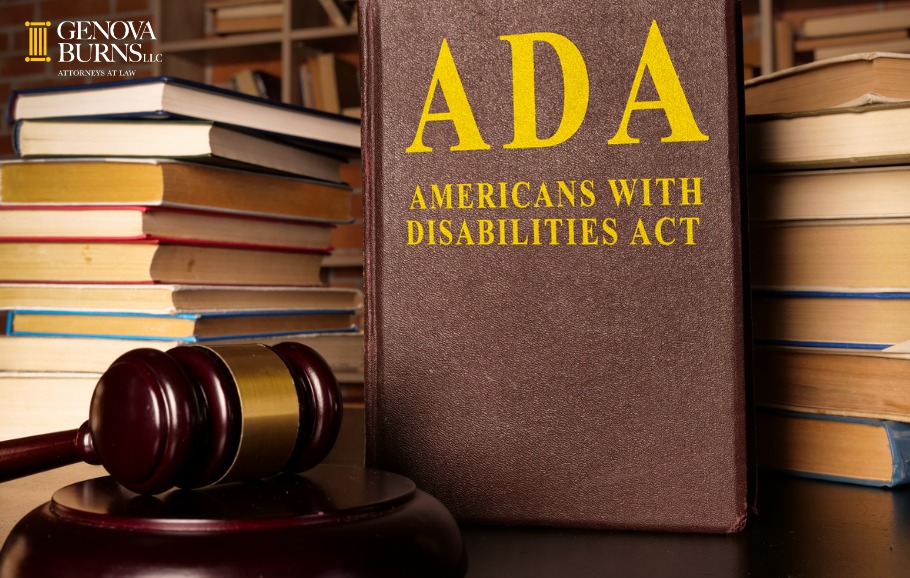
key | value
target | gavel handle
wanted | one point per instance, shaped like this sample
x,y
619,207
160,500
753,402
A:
x,y
21,457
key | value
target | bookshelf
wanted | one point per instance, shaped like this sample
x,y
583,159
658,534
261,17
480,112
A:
x,y
191,50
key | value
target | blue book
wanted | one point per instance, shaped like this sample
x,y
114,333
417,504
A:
x,y
168,97
183,327
862,451
843,320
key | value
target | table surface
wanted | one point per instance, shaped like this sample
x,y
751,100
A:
x,y
804,528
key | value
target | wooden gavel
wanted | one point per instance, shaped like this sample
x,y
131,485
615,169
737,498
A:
x,y
194,416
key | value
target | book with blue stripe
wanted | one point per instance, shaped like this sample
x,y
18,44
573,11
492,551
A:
x,y
852,320
862,451
185,327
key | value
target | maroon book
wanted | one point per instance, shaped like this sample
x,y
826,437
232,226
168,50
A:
x,y
554,260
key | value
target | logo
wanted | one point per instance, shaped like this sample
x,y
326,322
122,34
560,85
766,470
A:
x,y
37,41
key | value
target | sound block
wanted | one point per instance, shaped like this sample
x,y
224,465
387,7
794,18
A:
x,y
330,521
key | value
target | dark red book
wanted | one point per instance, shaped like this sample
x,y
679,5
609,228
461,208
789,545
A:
x,y
555,297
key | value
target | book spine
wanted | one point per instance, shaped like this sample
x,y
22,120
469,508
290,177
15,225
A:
x,y
899,438
369,43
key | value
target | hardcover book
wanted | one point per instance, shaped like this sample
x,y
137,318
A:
x,y
186,327
166,97
167,183
199,141
554,260
866,320
846,382
76,222
868,452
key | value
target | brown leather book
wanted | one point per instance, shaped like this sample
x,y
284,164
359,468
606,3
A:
x,y
554,260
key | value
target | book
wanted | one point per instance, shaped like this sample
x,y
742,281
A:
x,y
155,262
162,97
812,44
43,402
858,193
841,256
336,83
160,298
343,351
186,327
257,83
249,17
74,223
859,136
897,45
855,450
856,22
554,294
833,381
853,80
855,320
162,182
198,140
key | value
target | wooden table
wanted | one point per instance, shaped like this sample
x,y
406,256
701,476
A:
x,y
805,528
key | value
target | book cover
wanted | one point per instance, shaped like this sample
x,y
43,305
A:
x,y
554,280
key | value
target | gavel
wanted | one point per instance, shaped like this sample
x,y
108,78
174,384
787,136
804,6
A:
x,y
194,416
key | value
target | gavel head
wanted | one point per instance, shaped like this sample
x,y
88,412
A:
x,y
194,416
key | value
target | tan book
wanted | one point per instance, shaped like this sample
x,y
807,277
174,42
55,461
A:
x,y
845,382
342,351
155,262
126,223
34,403
850,137
842,256
873,320
848,81
857,22
160,182
898,45
868,192
854,450
159,298
811,44
553,260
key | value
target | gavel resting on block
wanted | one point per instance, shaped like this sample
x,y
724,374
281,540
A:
x,y
194,416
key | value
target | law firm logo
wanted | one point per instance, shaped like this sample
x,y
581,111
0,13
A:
x,y
37,41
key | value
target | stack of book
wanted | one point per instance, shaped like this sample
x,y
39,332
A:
x,y
829,190
156,213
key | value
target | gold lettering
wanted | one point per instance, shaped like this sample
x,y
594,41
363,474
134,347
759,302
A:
x,y
656,59
459,113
